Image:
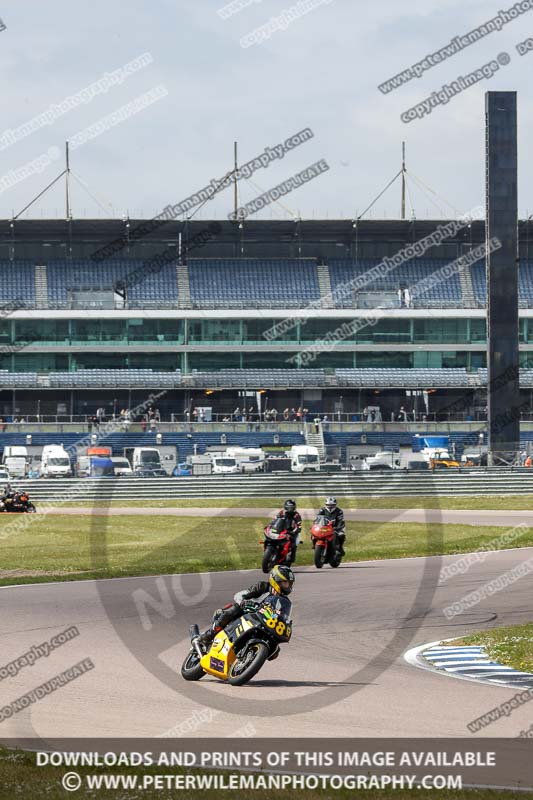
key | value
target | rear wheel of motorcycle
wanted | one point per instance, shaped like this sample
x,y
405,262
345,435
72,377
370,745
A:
x,y
191,669
269,559
320,556
256,655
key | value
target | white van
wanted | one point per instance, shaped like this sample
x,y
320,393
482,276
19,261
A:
x,y
304,458
55,462
15,459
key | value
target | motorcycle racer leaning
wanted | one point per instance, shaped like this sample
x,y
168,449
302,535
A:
x,y
331,511
280,581
294,521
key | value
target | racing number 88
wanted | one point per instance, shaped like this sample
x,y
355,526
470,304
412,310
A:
x,y
279,626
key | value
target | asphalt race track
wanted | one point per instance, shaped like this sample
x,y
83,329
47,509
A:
x,y
342,674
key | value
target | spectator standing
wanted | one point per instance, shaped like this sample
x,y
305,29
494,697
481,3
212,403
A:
x,y
305,413
286,415
402,415
274,414
237,414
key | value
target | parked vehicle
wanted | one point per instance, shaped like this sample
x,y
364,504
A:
x,y
240,650
276,544
146,457
98,450
150,472
15,459
182,470
325,543
95,467
5,477
304,458
121,466
385,459
55,462
249,459
224,464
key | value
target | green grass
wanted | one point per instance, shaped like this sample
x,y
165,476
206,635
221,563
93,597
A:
x,y
478,503
118,546
20,777
512,645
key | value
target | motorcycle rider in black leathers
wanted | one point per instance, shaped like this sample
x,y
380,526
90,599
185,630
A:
x,y
332,512
280,581
294,521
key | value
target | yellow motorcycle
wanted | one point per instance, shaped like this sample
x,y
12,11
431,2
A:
x,y
239,651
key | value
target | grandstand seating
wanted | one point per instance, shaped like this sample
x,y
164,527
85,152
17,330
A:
x,y
253,283
290,378
108,378
17,282
443,293
23,380
478,272
157,289
415,378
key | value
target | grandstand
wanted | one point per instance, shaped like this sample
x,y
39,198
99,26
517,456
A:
x,y
105,331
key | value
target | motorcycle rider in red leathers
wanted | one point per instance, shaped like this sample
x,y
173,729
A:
x,y
294,521
333,513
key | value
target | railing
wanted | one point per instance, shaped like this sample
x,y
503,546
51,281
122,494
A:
x,y
182,422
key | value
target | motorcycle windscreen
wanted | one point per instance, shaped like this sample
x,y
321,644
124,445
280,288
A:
x,y
277,615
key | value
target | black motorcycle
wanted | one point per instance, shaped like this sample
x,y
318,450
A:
x,y
17,503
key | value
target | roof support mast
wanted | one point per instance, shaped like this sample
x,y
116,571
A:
x,y
67,180
403,180
235,198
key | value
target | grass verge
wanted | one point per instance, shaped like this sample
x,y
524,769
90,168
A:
x,y
81,547
20,777
512,645
478,503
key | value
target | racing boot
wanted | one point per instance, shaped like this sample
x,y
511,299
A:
x,y
341,538
205,639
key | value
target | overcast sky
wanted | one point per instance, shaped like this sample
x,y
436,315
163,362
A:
x,y
321,72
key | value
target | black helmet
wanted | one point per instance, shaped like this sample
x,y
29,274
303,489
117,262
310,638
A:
x,y
289,506
281,579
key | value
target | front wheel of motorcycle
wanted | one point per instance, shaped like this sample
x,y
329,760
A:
x,y
269,559
320,556
30,509
191,669
243,670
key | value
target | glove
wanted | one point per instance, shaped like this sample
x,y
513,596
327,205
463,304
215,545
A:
x,y
249,605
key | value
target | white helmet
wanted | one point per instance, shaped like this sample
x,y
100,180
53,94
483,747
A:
x,y
331,503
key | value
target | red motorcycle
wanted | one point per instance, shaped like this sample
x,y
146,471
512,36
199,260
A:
x,y
325,543
277,544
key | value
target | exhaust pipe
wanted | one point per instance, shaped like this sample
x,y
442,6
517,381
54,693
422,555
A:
x,y
194,633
